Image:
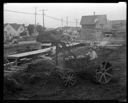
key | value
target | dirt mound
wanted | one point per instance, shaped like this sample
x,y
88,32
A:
x,y
11,86
35,75
40,65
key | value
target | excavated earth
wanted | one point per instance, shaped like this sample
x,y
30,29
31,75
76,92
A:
x,y
45,87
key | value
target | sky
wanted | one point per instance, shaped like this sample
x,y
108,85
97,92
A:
x,y
72,11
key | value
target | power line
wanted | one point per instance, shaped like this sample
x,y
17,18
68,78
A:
x,y
19,12
55,18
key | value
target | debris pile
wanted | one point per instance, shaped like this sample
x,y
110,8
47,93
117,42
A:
x,y
36,74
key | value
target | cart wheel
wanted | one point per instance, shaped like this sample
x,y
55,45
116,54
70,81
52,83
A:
x,y
104,73
69,79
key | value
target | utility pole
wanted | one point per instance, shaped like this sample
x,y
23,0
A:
x,y
62,23
67,24
76,22
43,16
67,21
35,19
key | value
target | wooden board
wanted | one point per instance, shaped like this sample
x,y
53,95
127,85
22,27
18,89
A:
x,y
29,53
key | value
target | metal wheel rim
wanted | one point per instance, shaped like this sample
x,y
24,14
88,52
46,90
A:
x,y
69,79
103,76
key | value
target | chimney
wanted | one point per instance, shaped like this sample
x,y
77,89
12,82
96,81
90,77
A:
x,y
93,13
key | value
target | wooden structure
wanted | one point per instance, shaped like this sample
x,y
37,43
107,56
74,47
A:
x,y
31,54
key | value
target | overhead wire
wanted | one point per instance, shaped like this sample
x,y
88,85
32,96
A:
x,y
19,12
55,18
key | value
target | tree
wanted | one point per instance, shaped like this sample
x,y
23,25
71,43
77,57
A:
x,y
50,36
24,33
30,29
39,29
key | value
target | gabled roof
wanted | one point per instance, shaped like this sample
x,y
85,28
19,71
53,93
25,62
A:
x,y
92,19
14,25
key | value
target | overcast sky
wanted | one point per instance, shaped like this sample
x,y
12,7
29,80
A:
x,y
114,11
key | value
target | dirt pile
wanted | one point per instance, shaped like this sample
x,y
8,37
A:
x,y
36,74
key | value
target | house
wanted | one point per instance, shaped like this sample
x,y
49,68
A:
x,y
5,36
91,27
25,33
93,21
14,29
118,24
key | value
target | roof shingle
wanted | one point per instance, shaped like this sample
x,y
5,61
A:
x,y
92,19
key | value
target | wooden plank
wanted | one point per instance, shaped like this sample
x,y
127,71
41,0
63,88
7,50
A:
x,y
29,53
72,44
10,63
35,52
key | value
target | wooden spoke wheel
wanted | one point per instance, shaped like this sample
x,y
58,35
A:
x,y
69,79
104,73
